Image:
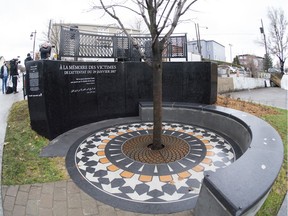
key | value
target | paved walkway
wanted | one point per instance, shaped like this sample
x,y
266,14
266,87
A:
x,y
58,198
6,102
275,97
63,197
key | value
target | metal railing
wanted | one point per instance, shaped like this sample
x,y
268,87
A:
x,y
78,44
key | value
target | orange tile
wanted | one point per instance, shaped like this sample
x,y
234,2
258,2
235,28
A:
x,y
145,178
104,160
206,161
198,168
205,141
112,136
169,128
166,178
209,147
101,146
101,153
126,174
190,133
120,133
199,137
184,175
112,168
210,153
105,141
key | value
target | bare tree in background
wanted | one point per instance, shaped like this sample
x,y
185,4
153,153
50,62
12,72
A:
x,y
251,65
139,25
53,35
278,37
160,17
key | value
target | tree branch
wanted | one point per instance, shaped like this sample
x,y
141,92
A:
x,y
132,39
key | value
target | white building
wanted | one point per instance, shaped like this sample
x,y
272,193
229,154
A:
x,y
254,63
209,49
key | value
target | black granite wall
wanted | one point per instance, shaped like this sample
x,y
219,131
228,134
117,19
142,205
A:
x,y
63,95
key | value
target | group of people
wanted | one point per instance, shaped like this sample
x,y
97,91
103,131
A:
x,y
11,70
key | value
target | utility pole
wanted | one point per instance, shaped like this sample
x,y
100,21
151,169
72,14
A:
x,y
49,30
33,34
262,32
198,37
231,53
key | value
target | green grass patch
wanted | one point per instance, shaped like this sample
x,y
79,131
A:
x,y
279,189
21,162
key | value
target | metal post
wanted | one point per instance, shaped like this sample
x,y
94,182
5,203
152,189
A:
x,y
231,53
33,34
262,32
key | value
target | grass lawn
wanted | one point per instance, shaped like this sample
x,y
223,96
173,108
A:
x,y
21,162
22,165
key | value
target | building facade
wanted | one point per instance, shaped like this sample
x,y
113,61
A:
x,y
210,49
99,29
252,62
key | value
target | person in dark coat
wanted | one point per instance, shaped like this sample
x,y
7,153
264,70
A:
x,y
14,73
45,51
28,58
4,74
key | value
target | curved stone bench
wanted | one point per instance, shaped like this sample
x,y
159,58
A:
x,y
242,187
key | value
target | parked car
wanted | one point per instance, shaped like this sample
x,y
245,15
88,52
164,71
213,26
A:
x,y
241,72
223,71
273,70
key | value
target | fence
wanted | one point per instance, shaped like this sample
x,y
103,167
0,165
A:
x,y
77,44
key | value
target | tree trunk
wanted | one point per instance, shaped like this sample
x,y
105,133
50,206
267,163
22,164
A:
x,y
157,99
282,65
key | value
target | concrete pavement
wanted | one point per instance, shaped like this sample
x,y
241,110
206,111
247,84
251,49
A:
x,y
275,97
64,197
6,101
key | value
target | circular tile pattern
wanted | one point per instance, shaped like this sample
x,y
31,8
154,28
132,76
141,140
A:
x,y
103,167
138,148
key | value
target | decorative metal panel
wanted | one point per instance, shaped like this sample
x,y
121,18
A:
x,y
74,43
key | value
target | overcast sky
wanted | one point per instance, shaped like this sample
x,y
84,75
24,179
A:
x,y
234,22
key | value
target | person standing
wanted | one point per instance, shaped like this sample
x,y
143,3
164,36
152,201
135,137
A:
x,y
4,76
28,58
45,50
14,73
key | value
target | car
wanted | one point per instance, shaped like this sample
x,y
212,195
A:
x,y
223,71
273,70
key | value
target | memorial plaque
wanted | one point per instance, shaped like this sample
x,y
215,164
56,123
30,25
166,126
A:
x,y
63,95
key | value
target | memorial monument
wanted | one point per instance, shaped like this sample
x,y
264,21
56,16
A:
x,y
99,115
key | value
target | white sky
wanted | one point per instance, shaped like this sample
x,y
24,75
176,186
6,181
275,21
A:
x,y
228,21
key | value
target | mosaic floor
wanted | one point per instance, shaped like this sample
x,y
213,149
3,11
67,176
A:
x,y
116,166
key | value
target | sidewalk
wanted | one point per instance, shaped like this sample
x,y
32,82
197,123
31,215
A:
x,y
56,198
6,101
275,97
64,197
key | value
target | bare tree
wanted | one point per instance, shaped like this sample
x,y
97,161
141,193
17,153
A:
x,y
278,37
251,65
138,25
160,17
53,35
